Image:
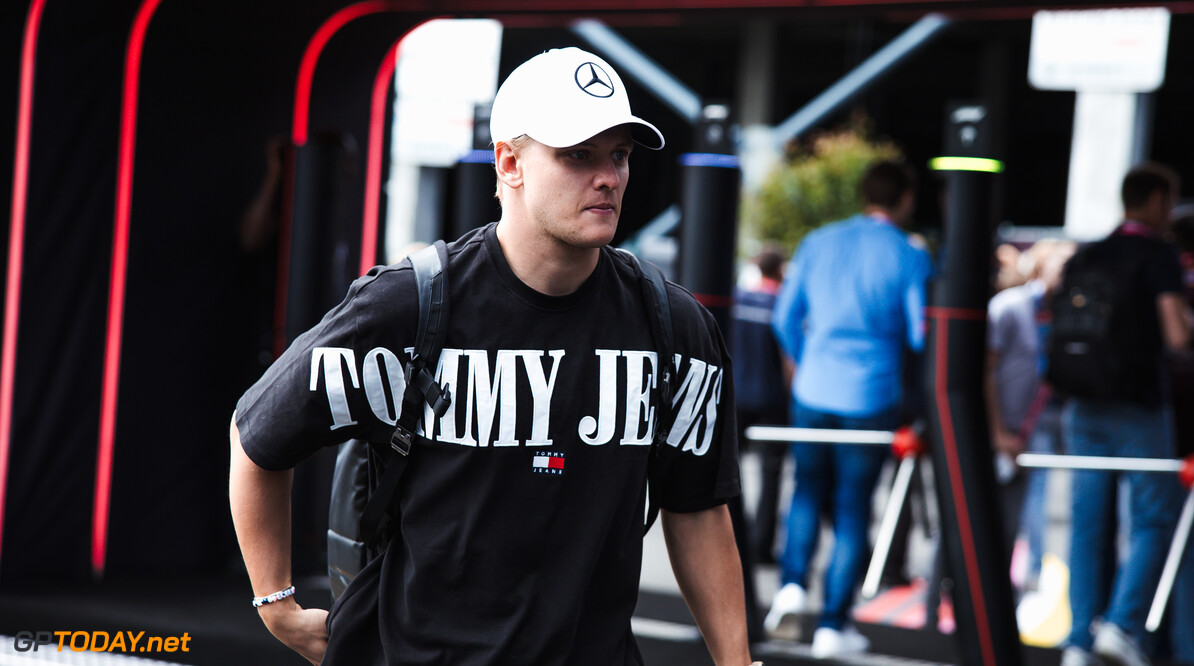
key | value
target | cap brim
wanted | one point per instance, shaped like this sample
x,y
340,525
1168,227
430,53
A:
x,y
644,133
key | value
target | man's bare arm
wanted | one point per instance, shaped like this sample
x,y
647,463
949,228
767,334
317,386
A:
x,y
705,560
260,501
1175,319
1002,439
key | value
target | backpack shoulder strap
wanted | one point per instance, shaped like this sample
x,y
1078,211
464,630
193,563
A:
x,y
431,285
654,286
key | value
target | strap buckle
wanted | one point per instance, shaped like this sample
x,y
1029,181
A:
x,y
400,441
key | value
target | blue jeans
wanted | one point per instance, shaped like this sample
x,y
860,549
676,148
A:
x,y
837,480
1121,595
1045,438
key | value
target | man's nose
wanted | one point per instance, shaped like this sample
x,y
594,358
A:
x,y
608,175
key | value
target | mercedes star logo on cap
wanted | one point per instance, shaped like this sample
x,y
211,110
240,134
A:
x,y
593,80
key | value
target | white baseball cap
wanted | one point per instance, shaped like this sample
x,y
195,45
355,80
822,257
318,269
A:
x,y
563,97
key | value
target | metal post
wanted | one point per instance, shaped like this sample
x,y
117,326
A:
x,y
891,516
1172,563
1181,535
861,78
821,435
1104,463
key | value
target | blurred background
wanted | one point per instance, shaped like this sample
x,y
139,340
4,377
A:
x,y
194,183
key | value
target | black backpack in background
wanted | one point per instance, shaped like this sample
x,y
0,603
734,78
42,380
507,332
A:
x,y
366,478
1099,346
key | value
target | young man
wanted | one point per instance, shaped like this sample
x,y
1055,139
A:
x,y
851,304
549,356
1132,420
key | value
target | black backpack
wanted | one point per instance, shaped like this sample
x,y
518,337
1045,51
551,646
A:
x,y
1098,347
366,478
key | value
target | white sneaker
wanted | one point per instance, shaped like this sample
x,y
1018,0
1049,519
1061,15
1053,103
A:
x,y
1117,647
789,601
833,643
1076,656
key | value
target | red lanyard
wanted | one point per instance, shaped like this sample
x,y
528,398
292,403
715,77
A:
x,y
1134,228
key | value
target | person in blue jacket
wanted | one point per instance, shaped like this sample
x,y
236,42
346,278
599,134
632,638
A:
x,y
851,304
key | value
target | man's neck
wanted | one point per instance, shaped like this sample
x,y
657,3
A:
x,y
543,263
1142,219
879,213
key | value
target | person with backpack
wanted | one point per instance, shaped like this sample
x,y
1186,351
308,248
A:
x,y
1120,306
517,526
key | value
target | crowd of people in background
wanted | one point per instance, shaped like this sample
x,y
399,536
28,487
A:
x,y
846,315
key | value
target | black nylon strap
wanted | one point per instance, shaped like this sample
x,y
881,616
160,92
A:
x,y
654,286
431,285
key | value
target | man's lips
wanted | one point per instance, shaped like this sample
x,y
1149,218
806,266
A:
x,y
601,207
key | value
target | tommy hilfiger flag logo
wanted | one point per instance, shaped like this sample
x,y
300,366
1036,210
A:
x,y
548,463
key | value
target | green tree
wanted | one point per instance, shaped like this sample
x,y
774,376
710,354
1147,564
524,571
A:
x,y
816,184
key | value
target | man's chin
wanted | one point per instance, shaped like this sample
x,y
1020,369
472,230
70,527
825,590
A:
x,y
597,234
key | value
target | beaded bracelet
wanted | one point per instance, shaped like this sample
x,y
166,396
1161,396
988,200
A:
x,y
258,602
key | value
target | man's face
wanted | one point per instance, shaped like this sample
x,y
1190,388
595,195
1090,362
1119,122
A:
x,y
574,194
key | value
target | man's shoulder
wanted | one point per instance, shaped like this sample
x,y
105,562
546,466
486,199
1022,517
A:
x,y
1125,250
688,314
1010,299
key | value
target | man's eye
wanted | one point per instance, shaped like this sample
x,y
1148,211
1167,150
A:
x,y
579,154
622,155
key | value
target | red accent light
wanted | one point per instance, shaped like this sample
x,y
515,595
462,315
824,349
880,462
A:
x,y
949,439
373,167
906,443
116,293
967,314
302,96
1186,475
16,243
714,300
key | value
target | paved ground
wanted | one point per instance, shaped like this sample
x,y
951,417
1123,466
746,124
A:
x,y
225,631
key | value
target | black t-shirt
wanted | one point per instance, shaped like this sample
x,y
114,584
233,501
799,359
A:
x,y
522,511
1160,273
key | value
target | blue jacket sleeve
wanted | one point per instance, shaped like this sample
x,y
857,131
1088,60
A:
x,y
787,319
915,300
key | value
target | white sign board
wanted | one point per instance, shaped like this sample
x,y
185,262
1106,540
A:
x,y
1103,50
445,68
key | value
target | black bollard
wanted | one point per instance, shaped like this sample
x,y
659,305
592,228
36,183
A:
x,y
708,231
972,532
710,180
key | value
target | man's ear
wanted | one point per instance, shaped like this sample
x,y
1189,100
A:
x,y
507,165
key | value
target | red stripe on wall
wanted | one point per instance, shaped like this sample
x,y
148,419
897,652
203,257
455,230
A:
x,y
373,166
117,284
306,74
16,243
